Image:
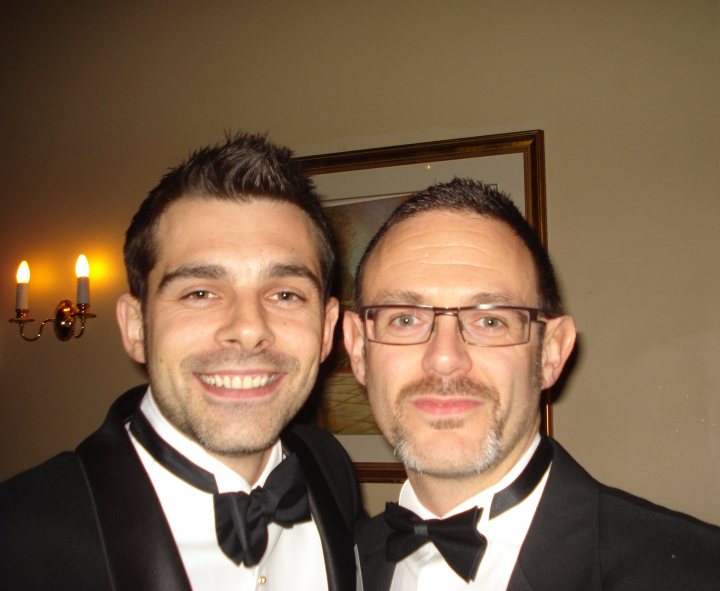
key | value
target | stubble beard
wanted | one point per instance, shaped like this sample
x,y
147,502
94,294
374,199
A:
x,y
451,463
490,450
229,430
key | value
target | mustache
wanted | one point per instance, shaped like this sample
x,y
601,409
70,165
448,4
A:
x,y
437,386
230,358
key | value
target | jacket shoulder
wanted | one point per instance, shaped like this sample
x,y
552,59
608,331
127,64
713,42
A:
x,y
652,547
323,444
591,536
53,492
327,451
335,467
48,532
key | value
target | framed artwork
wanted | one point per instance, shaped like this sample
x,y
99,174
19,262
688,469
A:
x,y
360,189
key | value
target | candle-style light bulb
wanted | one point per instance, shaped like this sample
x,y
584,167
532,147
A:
x,y
23,278
82,271
23,273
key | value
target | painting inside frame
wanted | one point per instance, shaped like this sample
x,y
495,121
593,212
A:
x,y
360,189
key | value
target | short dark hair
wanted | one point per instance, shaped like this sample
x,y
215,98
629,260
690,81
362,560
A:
x,y
244,168
467,195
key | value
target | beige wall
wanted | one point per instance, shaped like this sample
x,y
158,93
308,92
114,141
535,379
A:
x,y
99,99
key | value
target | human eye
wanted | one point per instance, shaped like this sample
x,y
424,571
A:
x,y
287,297
488,323
492,323
199,294
404,320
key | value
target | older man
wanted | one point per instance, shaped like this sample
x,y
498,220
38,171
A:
x,y
195,481
458,327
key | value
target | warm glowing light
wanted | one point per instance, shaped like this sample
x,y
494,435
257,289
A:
x,y
82,267
23,273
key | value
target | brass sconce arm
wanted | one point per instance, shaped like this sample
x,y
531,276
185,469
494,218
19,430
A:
x,y
66,316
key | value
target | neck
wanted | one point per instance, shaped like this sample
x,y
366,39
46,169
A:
x,y
249,466
440,494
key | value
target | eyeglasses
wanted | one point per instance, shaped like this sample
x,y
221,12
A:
x,y
482,326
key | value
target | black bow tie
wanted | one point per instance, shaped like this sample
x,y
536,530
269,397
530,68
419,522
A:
x,y
457,538
241,519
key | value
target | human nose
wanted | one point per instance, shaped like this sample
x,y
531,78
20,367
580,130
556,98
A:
x,y
245,323
446,353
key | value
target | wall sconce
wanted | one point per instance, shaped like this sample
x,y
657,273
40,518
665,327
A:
x,y
66,313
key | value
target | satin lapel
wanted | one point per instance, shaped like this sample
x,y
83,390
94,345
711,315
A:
x,y
560,549
336,539
376,571
139,548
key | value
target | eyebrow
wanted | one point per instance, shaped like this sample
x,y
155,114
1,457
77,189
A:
x,y
274,271
192,272
278,271
415,298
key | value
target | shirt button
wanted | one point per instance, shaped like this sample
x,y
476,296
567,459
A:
x,y
262,580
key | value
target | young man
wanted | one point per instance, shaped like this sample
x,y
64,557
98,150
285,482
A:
x,y
459,326
194,481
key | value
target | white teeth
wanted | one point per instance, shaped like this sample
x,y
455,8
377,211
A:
x,y
236,382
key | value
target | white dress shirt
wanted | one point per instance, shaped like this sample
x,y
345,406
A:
x,y
426,570
294,556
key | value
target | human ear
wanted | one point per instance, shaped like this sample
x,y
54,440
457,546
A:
x,y
557,345
354,341
130,320
332,310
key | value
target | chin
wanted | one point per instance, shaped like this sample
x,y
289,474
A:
x,y
233,447
451,458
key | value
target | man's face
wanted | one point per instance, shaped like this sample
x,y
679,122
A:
x,y
234,326
452,409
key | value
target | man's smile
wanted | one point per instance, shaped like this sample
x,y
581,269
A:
x,y
238,382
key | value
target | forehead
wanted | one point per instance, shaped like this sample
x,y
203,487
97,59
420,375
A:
x,y
195,227
448,258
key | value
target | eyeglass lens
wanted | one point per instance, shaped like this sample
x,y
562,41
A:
x,y
410,325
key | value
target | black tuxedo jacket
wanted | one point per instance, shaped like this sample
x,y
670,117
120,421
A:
x,y
90,519
588,537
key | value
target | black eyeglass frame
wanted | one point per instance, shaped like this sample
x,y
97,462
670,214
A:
x,y
533,315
